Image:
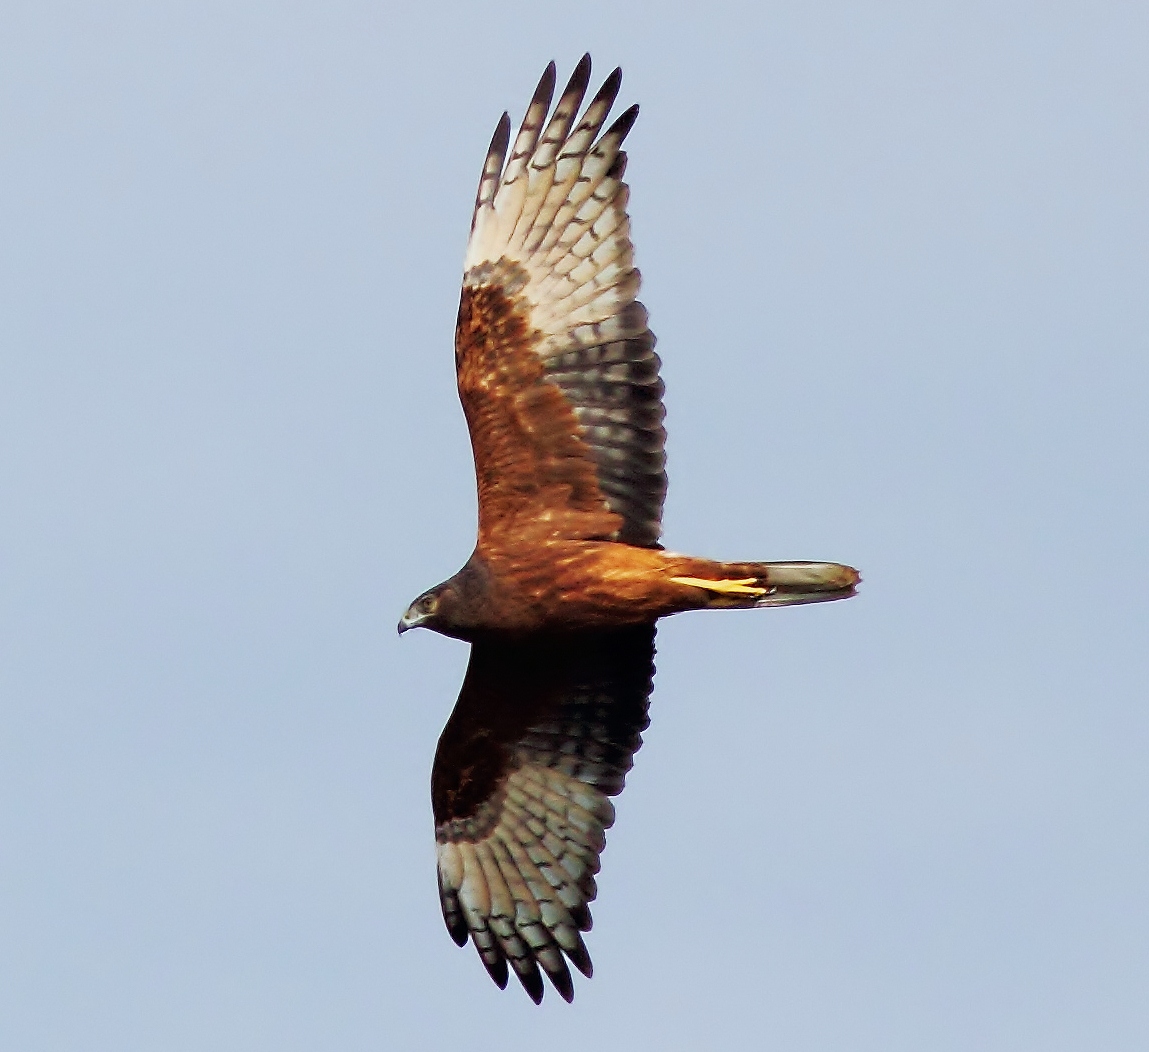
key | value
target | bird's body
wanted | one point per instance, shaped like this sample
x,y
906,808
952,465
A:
x,y
563,585
560,387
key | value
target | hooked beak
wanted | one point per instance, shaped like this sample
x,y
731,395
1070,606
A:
x,y
409,620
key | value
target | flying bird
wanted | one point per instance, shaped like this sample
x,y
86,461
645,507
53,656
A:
x,y
560,387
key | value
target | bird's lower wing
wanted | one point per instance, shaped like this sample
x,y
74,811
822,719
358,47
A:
x,y
542,735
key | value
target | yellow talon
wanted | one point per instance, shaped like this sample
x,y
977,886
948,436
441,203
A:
x,y
745,586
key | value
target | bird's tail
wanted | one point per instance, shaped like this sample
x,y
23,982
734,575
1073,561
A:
x,y
746,585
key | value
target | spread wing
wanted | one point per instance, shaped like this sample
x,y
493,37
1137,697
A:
x,y
542,735
556,366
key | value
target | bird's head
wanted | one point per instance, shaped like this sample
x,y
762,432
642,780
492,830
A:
x,y
455,607
427,610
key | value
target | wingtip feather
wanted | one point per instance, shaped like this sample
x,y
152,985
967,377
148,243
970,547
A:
x,y
497,970
531,981
580,958
562,982
502,137
624,122
579,80
547,82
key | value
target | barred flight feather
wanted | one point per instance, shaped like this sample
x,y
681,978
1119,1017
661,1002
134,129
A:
x,y
550,230
542,735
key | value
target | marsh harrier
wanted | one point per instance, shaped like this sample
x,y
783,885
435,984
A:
x,y
559,383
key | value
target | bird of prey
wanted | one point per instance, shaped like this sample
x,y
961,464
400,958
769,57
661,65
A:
x,y
560,387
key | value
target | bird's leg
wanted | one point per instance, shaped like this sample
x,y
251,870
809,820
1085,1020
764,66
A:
x,y
744,586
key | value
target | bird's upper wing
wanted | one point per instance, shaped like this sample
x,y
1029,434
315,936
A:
x,y
542,734
556,366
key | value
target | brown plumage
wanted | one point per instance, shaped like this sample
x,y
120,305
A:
x,y
559,383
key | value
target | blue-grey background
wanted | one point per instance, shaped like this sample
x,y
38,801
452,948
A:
x,y
896,257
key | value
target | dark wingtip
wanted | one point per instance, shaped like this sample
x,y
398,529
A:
x,y
452,916
497,971
581,916
625,122
609,90
546,87
580,958
562,982
499,142
579,78
532,982
458,932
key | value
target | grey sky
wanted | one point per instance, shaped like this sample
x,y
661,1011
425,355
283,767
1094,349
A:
x,y
895,255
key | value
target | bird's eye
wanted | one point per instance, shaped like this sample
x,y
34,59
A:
x,y
427,604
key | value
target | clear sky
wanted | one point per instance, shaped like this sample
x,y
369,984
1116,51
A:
x,y
896,257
